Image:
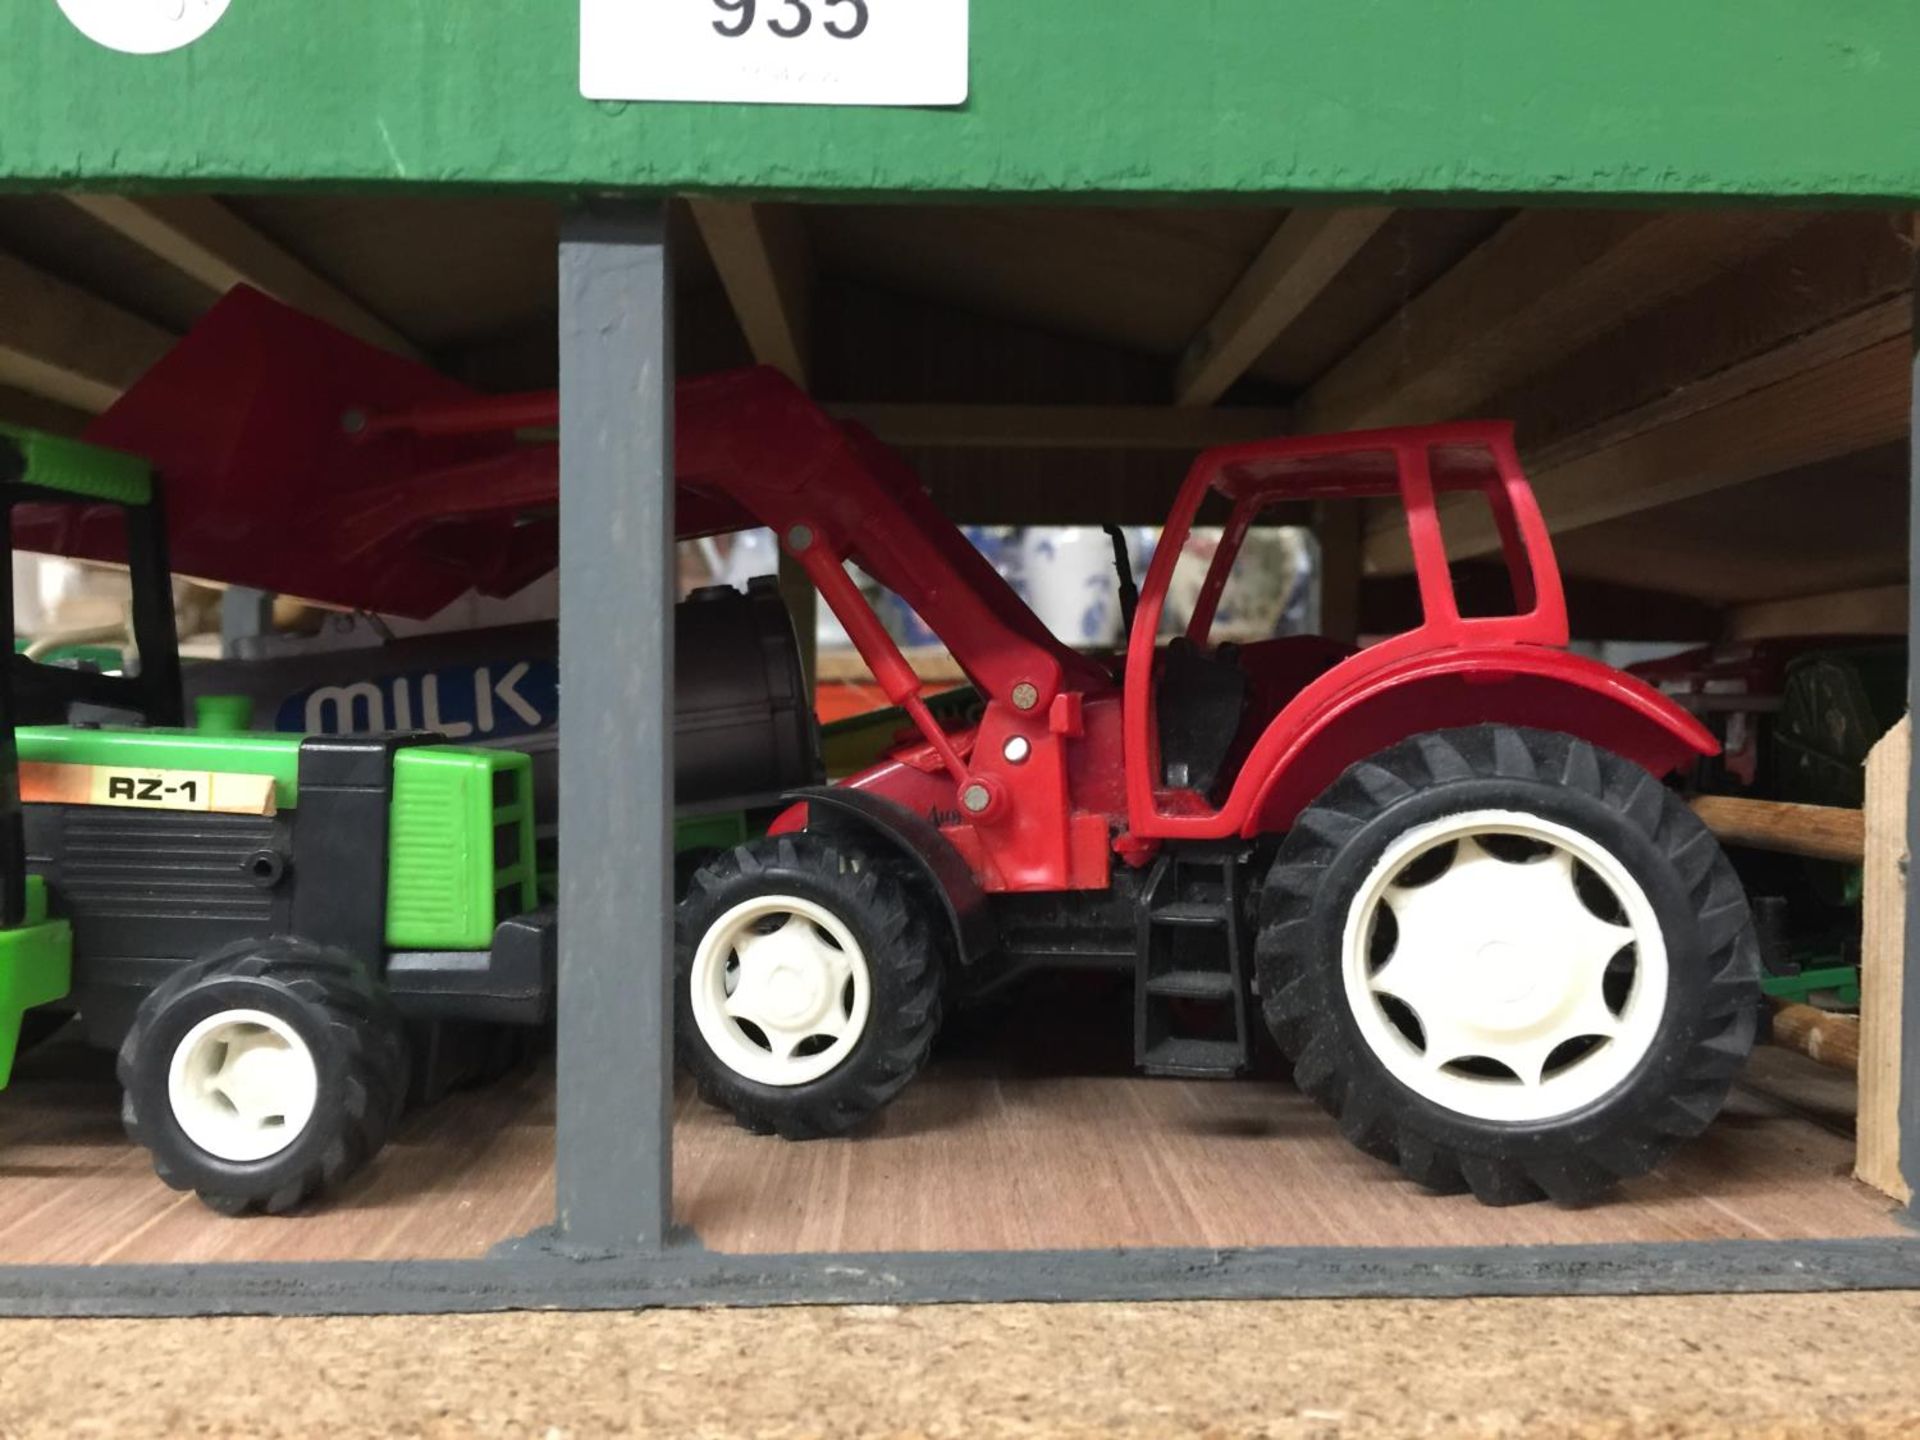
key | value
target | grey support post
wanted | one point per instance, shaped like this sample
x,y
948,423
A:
x,y
614,1144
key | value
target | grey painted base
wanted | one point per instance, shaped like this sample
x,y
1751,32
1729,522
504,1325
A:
x,y
533,1278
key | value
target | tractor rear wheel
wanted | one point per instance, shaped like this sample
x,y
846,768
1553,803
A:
x,y
263,1075
808,985
1508,962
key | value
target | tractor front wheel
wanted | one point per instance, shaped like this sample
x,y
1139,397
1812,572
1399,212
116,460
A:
x,y
808,986
1509,962
264,1074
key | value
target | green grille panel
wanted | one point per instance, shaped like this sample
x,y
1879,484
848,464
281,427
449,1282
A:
x,y
446,861
85,471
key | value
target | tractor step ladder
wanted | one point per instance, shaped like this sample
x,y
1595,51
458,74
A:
x,y
1190,979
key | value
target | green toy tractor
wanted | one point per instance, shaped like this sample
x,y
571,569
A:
x,y
283,937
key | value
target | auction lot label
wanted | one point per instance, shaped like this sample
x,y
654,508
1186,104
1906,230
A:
x,y
787,52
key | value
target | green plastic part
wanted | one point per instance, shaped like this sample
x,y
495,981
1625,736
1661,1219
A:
x,y
461,846
1841,981
1835,705
692,835
256,753
223,714
109,659
721,830
851,745
88,471
36,968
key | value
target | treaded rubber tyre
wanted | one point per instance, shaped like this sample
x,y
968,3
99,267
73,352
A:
x,y
349,1027
1705,1030
903,966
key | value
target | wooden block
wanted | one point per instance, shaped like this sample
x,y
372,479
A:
x,y
1883,946
1820,832
932,663
1831,1039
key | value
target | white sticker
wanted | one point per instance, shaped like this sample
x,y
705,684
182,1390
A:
x,y
788,52
144,27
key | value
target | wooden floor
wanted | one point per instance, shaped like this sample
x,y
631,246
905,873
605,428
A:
x,y
460,1177
984,1155
1005,1143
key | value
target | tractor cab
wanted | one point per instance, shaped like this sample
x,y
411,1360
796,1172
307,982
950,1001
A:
x,y
55,482
36,950
1215,730
56,486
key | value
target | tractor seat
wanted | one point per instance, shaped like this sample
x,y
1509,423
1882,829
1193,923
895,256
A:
x,y
1198,702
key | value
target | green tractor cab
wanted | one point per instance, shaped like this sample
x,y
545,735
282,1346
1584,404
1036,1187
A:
x,y
283,937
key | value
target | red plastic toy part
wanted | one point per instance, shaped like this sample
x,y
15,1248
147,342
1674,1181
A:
x,y
1450,670
302,460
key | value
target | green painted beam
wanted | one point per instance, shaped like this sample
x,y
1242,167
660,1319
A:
x,y
1794,99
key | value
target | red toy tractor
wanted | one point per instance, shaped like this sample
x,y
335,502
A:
x,y
1495,946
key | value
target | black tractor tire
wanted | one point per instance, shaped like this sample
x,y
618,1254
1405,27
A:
x,y
904,967
349,1027
1707,1027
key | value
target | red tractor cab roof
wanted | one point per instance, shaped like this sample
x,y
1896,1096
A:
x,y
1363,464
1414,464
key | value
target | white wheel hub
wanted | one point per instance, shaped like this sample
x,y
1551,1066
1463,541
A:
x,y
1504,966
780,990
242,1085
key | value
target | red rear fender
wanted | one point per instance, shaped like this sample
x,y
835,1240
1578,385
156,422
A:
x,y
1542,689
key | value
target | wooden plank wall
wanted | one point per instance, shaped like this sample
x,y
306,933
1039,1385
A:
x,y
1883,963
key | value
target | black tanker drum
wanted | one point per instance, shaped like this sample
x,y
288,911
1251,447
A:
x,y
744,732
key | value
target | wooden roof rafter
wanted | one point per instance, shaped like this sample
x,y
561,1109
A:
x,y
201,237
1767,415
1306,253
64,345
1543,284
766,268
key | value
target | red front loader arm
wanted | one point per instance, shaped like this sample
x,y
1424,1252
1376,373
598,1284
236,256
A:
x,y
302,460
